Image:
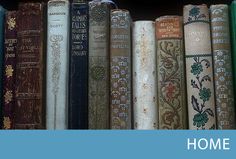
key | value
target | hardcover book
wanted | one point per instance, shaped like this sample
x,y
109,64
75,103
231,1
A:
x,y
9,76
144,75
233,40
78,75
29,109
120,69
57,64
99,14
223,75
199,68
171,73
2,19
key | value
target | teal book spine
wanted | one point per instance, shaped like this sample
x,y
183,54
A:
x,y
233,40
2,20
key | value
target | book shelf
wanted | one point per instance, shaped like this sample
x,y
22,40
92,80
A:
x,y
139,9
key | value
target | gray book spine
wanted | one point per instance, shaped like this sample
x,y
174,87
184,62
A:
x,y
223,75
99,15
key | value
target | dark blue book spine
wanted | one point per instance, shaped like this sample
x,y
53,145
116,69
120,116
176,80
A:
x,y
2,22
78,76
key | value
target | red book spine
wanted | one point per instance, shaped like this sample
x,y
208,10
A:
x,y
29,111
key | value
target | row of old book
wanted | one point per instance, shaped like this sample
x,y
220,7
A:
x,y
86,65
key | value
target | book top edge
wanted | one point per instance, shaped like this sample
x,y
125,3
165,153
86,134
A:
x,y
119,10
144,21
233,2
58,1
218,5
169,17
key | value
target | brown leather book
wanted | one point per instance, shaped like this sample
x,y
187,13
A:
x,y
10,45
29,68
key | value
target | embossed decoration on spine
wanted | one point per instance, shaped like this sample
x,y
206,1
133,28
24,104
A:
x,y
170,68
56,50
10,70
57,64
99,14
199,68
29,68
144,75
225,105
120,70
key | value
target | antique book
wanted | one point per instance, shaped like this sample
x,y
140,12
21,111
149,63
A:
x,y
233,40
2,19
78,73
99,14
171,73
9,75
144,75
199,68
223,75
120,69
57,64
29,108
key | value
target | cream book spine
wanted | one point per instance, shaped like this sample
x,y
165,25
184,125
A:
x,y
144,75
57,64
199,68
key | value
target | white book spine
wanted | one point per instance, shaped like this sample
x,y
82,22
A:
x,y
57,64
144,76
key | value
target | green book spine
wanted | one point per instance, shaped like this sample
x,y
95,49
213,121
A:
x,y
233,40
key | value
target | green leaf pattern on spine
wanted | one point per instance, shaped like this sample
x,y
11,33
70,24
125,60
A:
x,y
202,114
194,14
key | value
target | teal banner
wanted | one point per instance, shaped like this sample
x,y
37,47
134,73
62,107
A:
x,y
118,144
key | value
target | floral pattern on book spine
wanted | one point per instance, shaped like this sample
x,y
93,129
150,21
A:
x,y
120,92
200,102
171,84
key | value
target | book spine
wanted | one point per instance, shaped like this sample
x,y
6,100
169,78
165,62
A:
x,y
78,75
2,19
120,70
99,14
233,41
144,75
29,67
223,75
170,73
9,76
57,64
199,69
